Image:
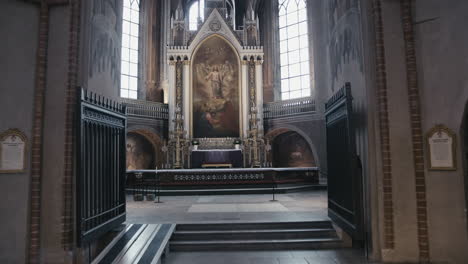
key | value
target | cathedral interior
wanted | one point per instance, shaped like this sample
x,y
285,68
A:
x,y
234,131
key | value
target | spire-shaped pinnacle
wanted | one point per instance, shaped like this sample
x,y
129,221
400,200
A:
x,y
250,11
179,14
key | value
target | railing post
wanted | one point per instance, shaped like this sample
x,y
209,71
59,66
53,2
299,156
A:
x,y
274,186
158,186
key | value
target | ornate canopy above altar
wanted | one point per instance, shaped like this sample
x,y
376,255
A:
x,y
215,85
215,82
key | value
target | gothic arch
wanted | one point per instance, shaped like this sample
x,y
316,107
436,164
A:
x,y
272,134
223,37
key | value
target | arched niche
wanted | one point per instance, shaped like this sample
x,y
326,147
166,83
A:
x,y
215,90
144,150
290,149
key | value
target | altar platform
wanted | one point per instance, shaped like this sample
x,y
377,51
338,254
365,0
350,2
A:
x,y
223,181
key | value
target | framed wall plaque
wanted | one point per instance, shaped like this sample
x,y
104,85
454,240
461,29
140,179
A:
x,y
12,151
441,146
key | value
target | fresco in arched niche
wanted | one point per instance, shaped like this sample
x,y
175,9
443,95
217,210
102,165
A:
x,y
215,95
291,150
140,153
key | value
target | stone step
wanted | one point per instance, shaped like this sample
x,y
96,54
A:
x,y
255,226
137,243
260,234
268,244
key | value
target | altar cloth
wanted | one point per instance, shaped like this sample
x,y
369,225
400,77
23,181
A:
x,y
217,156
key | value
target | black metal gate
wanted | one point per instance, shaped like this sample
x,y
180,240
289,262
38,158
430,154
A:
x,y
100,186
344,179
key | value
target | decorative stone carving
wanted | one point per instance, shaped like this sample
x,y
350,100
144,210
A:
x,y
215,25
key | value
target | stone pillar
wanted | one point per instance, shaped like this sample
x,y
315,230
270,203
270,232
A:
x,y
186,95
244,98
270,39
172,95
164,34
150,48
259,91
318,39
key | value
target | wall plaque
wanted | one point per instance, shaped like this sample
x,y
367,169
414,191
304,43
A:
x,y
12,151
441,144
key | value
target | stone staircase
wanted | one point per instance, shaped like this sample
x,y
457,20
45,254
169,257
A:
x,y
255,236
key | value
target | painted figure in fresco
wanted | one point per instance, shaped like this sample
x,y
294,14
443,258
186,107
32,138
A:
x,y
215,90
215,80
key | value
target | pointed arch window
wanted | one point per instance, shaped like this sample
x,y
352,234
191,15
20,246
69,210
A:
x,y
130,41
294,49
196,9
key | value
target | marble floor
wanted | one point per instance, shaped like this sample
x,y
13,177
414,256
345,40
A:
x,y
301,206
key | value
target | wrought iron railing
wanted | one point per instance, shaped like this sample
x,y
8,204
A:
x,y
289,107
169,177
100,197
146,109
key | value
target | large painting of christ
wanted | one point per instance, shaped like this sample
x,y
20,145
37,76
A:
x,y
215,94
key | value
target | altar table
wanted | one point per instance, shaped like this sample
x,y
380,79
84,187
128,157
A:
x,y
215,157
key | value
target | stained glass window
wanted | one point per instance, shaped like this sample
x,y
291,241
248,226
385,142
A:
x,y
130,39
294,49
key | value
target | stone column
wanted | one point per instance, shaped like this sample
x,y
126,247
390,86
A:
x,y
244,98
270,33
150,49
164,34
186,95
172,94
259,92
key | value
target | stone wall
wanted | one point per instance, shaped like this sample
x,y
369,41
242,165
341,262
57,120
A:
x,y
54,135
441,41
17,68
102,46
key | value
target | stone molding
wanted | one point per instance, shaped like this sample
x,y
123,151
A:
x,y
416,130
382,106
37,138
71,99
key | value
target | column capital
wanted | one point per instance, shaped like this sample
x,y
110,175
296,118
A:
x,y
172,62
186,62
258,62
244,62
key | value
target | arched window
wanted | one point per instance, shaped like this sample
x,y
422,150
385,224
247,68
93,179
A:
x,y
294,49
196,9
130,37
